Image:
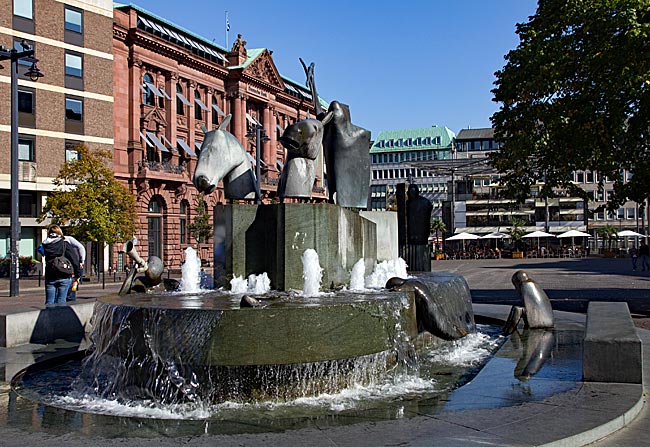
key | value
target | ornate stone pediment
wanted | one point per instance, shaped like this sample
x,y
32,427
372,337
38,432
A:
x,y
154,120
263,69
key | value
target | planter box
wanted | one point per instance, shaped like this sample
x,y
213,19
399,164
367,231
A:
x,y
517,255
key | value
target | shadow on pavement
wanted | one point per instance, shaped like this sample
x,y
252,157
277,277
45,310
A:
x,y
57,322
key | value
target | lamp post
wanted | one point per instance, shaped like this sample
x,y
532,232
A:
x,y
34,74
260,137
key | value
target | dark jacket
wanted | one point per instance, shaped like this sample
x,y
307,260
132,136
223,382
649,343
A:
x,y
53,247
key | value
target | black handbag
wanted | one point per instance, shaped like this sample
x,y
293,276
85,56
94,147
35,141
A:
x,y
62,264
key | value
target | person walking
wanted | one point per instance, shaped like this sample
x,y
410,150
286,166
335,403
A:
x,y
634,254
644,252
81,253
58,273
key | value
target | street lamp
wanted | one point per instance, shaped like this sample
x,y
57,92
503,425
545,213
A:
x,y
260,136
13,55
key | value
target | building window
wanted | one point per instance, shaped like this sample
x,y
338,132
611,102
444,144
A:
x,y
71,152
215,114
74,115
198,113
73,20
184,212
180,106
73,65
26,116
147,93
25,149
154,228
24,9
631,214
74,71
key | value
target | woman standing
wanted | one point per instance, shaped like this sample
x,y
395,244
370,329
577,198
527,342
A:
x,y
57,282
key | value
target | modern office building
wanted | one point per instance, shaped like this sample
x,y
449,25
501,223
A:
x,y
172,85
71,104
465,189
394,155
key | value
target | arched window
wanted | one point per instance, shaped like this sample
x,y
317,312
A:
x,y
147,95
215,114
154,227
198,113
180,109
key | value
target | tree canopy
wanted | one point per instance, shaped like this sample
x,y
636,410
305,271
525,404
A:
x,y
575,95
89,201
201,229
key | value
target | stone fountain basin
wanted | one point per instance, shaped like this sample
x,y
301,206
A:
x,y
211,329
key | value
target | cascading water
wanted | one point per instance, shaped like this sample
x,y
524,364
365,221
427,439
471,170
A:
x,y
357,276
191,270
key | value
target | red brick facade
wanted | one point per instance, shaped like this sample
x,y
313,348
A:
x,y
247,85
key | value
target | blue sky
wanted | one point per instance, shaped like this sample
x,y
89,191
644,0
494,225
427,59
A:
x,y
397,64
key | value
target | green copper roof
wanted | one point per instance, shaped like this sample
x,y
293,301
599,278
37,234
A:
x,y
436,137
203,40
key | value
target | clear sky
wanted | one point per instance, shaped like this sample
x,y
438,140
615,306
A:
x,y
408,64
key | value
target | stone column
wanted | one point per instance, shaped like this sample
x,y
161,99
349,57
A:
x,y
190,119
237,115
135,111
269,127
170,113
208,102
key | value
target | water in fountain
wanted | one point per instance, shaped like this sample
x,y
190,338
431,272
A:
x,y
368,387
313,273
255,284
191,270
357,276
384,271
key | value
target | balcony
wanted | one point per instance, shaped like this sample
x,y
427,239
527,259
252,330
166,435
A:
x,y
164,167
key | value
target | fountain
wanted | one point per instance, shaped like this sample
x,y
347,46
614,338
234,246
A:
x,y
325,328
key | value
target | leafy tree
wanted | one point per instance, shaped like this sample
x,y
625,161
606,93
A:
x,y
575,95
607,233
201,229
517,231
438,226
89,201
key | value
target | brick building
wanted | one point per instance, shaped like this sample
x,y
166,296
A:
x,y
68,106
170,84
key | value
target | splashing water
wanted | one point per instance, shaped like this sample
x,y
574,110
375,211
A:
x,y
357,281
384,271
312,273
259,284
191,281
238,285
255,284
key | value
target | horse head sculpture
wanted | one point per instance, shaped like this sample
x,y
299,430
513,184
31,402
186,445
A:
x,y
303,141
223,157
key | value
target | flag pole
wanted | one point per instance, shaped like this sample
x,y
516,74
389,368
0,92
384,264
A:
x,y
227,29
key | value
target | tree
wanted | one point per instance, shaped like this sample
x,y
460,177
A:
x,y
517,231
201,229
575,95
607,233
438,226
89,201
